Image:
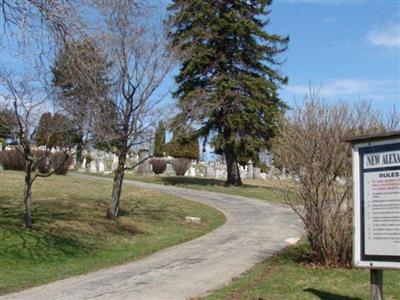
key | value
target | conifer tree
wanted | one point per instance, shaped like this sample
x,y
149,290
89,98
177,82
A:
x,y
184,145
5,132
228,82
55,131
159,140
80,76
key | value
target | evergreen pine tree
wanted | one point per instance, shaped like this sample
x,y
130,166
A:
x,y
227,81
159,140
55,131
44,132
80,75
184,145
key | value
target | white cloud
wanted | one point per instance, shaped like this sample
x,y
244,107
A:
x,y
387,36
346,87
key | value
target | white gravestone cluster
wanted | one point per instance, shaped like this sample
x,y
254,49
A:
x,y
97,161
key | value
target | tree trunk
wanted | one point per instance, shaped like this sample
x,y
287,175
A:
x,y
232,167
113,209
27,217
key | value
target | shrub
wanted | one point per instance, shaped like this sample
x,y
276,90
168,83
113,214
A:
x,y
159,165
44,161
12,160
180,166
57,161
310,147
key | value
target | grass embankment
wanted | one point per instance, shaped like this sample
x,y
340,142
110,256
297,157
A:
x,y
269,190
71,235
287,276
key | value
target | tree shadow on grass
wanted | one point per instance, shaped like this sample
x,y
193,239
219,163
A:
x,y
203,182
191,180
59,231
40,242
329,296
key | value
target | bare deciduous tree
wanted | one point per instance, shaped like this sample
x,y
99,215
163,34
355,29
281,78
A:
x,y
25,100
310,147
136,46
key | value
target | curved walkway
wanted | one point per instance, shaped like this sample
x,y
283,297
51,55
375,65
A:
x,y
254,230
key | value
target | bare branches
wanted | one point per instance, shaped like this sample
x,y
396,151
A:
x,y
311,149
140,63
25,100
60,18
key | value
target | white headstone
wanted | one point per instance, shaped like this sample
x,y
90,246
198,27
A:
x,y
256,172
92,167
101,166
250,171
210,172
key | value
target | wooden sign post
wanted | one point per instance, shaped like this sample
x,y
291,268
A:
x,y
376,196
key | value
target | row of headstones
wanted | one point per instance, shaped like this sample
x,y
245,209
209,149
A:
x,y
101,162
215,169
104,162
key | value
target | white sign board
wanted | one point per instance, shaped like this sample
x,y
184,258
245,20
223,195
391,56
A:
x,y
376,181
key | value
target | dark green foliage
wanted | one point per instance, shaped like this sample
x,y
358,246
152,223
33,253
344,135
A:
x,y
159,140
45,134
80,72
227,81
3,130
106,134
7,123
89,159
80,75
184,145
56,131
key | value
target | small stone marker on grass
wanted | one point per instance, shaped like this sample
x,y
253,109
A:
x,y
376,196
193,220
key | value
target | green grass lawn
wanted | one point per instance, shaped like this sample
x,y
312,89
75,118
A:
x,y
71,235
269,190
287,277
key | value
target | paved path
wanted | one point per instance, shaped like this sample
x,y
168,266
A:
x,y
253,231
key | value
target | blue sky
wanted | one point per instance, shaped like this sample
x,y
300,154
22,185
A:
x,y
348,48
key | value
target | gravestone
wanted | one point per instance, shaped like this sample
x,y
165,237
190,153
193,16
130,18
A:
x,y
219,173
191,172
144,168
210,171
169,171
101,166
250,171
200,170
92,167
257,173
83,166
